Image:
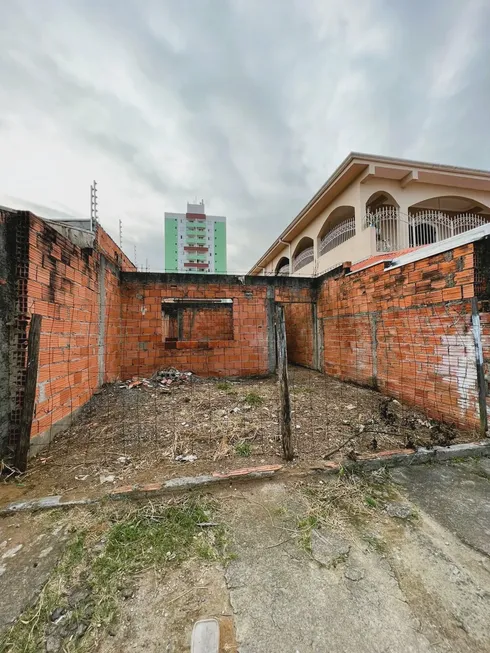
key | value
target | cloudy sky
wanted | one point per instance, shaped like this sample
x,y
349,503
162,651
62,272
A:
x,y
249,104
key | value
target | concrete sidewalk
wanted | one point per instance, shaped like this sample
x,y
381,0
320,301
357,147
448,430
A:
x,y
389,585
457,496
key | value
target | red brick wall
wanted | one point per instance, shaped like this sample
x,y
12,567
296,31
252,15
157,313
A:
x,y
64,288
485,323
144,349
112,252
298,312
408,332
203,322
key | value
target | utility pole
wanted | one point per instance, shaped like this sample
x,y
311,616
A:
x,y
135,259
94,218
120,234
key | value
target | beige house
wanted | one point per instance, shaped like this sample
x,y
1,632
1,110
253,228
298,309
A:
x,y
371,205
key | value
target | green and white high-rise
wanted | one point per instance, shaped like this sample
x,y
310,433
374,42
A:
x,y
195,242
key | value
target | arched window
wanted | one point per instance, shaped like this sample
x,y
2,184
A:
x,y
303,254
282,268
337,228
383,213
379,200
441,217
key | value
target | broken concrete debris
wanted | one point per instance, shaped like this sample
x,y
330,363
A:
x,y
109,478
189,458
354,573
161,379
400,510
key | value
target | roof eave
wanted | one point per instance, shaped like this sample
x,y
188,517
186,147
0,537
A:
x,y
281,240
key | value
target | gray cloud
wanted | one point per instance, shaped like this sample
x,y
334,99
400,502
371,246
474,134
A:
x,y
249,105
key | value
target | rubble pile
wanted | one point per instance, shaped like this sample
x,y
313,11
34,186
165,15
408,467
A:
x,y
161,379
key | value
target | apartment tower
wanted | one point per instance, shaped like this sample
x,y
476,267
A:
x,y
195,242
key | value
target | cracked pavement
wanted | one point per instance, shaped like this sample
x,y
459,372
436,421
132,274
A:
x,y
405,585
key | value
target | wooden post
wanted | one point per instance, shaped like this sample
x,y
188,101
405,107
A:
x,y
282,372
480,373
27,412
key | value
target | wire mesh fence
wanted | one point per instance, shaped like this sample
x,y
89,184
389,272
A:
x,y
387,381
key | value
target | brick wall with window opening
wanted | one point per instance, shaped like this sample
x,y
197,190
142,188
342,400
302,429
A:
x,y
200,320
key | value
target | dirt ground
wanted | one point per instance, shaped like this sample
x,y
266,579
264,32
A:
x,y
375,563
130,435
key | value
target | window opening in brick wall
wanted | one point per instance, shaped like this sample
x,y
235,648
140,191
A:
x,y
190,320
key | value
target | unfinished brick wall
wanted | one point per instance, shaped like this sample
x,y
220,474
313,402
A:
x,y
300,317
112,252
214,345
7,315
201,320
408,332
77,292
485,324
146,349
482,293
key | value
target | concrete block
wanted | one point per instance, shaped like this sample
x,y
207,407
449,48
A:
x,y
468,450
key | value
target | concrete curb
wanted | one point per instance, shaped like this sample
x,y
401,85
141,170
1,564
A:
x,y
366,462
148,490
407,457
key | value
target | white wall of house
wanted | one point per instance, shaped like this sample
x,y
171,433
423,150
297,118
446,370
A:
x,y
363,244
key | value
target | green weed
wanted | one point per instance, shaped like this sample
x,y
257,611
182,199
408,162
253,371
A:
x,y
243,449
305,526
226,386
253,399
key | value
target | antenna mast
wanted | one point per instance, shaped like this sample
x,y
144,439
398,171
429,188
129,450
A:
x,y
94,218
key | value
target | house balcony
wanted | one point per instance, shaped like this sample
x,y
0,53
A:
x,y
396,231
338,235
305,257
197,249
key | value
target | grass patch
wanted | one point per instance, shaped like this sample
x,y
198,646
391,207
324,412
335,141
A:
x,y
226,386
376,542
370,501
243,449
349,497
305,526
302,389
253,399
126,543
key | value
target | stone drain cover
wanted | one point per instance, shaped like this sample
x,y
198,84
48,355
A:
x,y
205,636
